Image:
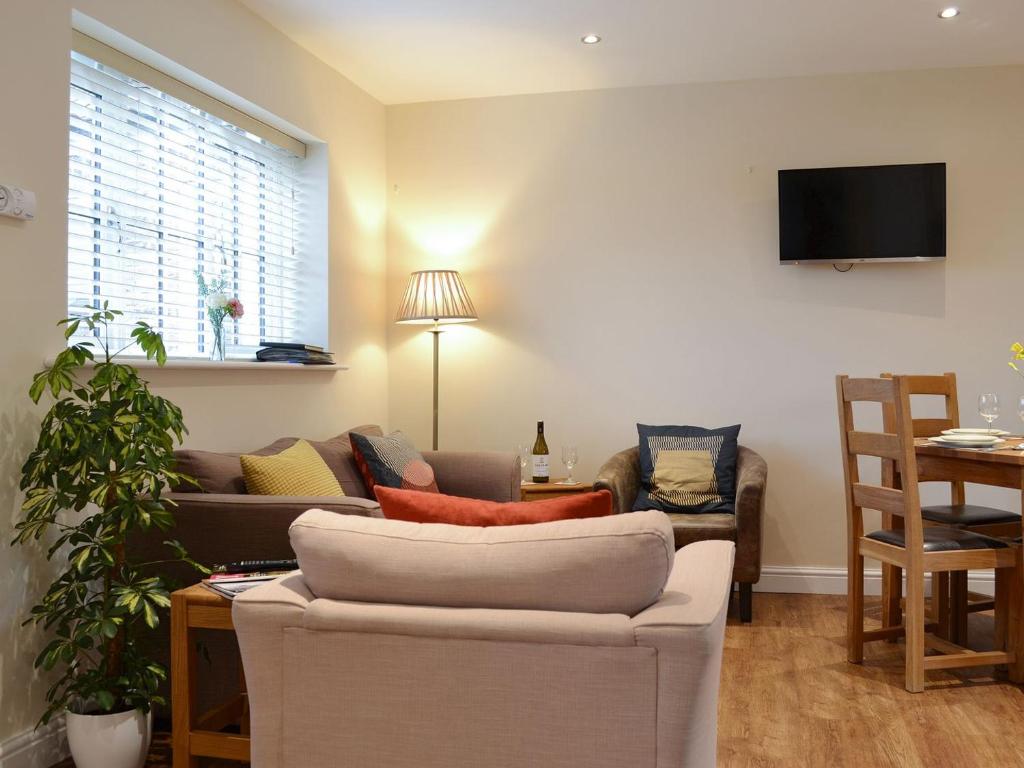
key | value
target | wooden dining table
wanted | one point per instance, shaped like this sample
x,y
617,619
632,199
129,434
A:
x,y
1002,467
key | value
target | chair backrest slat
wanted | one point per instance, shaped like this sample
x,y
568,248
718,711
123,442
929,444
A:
x,y
932,427
929,385
868,390
888,500
884,446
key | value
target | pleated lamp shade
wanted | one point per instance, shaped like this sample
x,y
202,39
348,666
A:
x,y
436,296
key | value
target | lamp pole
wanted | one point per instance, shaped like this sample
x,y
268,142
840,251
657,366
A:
x,y
436,331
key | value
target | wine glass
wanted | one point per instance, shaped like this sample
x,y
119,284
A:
x,y
988,408
523,452
1020,412
570,457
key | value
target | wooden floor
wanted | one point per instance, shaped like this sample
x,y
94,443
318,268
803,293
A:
x,y
789,698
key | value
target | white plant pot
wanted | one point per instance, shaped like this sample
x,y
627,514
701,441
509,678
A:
x,y
119,740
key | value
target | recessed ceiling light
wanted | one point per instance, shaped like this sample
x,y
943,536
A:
x,y
590,39
949,13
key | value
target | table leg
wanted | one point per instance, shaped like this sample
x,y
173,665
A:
x,y
183,678
1015,630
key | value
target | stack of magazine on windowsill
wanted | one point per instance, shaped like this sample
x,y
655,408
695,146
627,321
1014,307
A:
x,y
293,352
233,579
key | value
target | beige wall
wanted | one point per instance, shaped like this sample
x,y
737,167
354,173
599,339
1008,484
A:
x,y
225,43
621,248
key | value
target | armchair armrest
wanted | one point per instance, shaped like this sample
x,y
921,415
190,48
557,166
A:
x,y
478,474
751,481
621,475
261,616
687,627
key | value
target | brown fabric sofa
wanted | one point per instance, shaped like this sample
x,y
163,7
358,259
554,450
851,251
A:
x,y
219,522
574,643
621,475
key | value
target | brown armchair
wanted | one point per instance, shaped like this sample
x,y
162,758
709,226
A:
x,y
621,475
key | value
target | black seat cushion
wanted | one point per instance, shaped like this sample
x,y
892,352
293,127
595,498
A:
x,y
942,539
968,515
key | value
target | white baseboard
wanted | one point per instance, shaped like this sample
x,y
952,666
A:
x,y
35,748
832,581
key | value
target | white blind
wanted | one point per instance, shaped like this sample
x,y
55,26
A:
x,y
159,190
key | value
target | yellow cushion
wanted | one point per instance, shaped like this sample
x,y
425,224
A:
x,y
685,471
295,471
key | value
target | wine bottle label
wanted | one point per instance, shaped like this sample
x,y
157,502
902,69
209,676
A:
x,y
540,466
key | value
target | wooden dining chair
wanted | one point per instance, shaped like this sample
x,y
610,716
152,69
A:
x,y
951,591
914,548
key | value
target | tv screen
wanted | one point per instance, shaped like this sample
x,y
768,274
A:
x,y
867,213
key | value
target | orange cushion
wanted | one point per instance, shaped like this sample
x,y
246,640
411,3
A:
x,y
423,507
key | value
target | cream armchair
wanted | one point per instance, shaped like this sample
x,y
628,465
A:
x,y
574,644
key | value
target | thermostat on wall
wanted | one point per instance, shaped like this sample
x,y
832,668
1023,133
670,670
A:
x,y
17,203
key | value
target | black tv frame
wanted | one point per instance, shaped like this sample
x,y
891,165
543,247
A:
x,y
866,259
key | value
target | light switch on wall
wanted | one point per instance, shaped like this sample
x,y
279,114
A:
x,y
17,203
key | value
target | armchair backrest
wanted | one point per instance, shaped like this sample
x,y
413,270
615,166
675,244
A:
x,y
606,565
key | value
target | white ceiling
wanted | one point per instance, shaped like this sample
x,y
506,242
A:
x,y
427,50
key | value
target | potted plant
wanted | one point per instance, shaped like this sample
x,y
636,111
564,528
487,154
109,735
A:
x,y
97,472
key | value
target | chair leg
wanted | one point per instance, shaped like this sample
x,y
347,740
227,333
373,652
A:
x,y
958,607
940,603
1015,615
892,597
914,681
1002,601
746,602
855,607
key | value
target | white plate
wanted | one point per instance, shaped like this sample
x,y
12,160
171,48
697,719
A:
x,y
976,431
967,441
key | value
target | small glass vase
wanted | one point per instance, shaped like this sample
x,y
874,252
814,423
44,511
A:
x,y
218,345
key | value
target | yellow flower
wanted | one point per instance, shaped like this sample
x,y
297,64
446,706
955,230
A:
x,y
1018,350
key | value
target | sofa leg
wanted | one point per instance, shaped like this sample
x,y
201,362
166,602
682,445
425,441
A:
x,y
746,602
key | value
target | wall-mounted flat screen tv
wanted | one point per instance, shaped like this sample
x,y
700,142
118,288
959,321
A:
x,y
864,213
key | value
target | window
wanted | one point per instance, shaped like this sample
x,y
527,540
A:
x,y
162,191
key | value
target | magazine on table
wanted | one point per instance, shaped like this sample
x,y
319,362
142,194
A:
x,y
233,579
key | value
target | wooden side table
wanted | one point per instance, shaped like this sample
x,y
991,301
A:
x,y
194,734
551,490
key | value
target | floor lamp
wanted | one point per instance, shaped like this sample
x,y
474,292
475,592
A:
x,y
436,296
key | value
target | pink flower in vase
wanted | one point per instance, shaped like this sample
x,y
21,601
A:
x,y
235,308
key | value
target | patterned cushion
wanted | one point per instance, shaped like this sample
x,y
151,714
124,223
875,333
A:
x,y
687,469
295,471
392,461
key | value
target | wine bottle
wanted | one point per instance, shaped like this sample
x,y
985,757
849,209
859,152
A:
x,y
541,471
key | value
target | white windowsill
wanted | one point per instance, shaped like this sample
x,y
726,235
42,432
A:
x,y
202,364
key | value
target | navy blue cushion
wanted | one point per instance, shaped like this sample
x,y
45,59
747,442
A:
x,y
687,469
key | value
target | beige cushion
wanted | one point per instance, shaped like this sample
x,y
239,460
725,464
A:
x,y
616,564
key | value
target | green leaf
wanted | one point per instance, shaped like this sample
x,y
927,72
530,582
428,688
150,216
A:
x,y
105,699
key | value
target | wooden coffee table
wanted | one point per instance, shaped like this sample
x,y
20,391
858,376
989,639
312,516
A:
x,y
551,490
195,734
